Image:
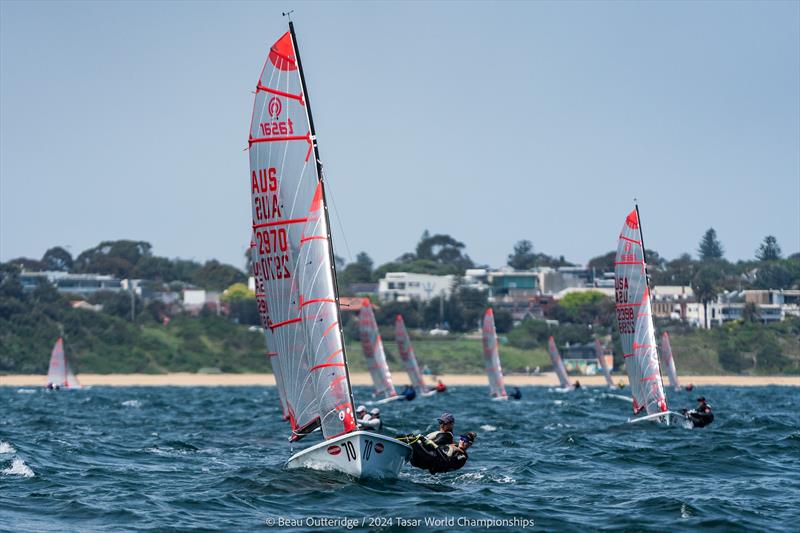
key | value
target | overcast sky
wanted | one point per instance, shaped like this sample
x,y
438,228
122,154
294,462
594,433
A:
x,y
488,121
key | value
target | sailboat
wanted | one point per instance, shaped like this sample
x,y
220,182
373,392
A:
x,y
491,358
558,366
59,374
295,275
409,357
636,329
601,359
666,356
372,344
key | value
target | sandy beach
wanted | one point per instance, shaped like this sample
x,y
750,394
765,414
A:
x,y
547,379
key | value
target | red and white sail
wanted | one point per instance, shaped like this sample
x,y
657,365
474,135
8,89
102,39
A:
x,y
59,373
408,356
373,352
666,357
558,364
491,356
283,180
320,314
635,320
601,358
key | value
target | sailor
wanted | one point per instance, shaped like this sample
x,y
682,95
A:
x,y
453,456
362,417
409,393
444,435
375,414
577,384
440,387
701,416
689,387
516,395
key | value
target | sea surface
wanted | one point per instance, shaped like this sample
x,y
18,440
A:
x,y
198,459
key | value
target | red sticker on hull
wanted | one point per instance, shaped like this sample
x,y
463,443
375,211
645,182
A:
x,y
334,450
378,448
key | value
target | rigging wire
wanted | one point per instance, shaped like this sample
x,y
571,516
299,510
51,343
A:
x,y
338,218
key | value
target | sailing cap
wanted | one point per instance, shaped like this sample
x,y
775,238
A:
x,y
701,399
375,411
446,418
361,409
468,437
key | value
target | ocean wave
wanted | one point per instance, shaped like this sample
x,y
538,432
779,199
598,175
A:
x,y
26,391
132,403
18,468
488,427
6,447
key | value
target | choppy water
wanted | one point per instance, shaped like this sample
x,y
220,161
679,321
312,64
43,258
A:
x,y
212,459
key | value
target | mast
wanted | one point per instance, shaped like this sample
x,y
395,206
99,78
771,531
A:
x,y
321,178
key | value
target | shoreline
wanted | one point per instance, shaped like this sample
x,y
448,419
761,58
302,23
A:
x,y
545,379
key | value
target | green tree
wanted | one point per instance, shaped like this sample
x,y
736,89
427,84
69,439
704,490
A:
x,y
710,247
523,257
676,272
769,249
603,263
705,285
57,258
214,275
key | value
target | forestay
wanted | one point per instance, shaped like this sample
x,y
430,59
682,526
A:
x,y
408,356
283,180
373,352
635,320
59,373
491,356
666,356
601,358
558,364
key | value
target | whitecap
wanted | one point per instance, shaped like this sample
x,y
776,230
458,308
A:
x,y
6,447
488,427
132,403
26,391
18,468
558,402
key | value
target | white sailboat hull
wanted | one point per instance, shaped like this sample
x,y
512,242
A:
x,y
669,418
361,454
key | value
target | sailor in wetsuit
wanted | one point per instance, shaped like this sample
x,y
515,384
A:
x,y
439,459
409,393
445,433
702,415
516,395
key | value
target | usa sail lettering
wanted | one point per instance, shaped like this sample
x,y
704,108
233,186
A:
x,y
278,127
264,188
625,314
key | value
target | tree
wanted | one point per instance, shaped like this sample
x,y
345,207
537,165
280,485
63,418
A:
x,y
117,258
523,257
217,276
57,258
750,313
705,286
358,272
710,247
769,249
676,272
603,263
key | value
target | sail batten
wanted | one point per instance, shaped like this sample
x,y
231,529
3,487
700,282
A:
x,y
491,356
635,321
408,356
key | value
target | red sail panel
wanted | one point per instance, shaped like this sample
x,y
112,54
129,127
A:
x,y
635,320
666,357
558,364
283,179
321,322
601,358
491,357
373,352
408,356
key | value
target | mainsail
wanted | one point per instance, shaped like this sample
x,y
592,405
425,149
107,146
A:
x,y
373,352
491,356
295,287
601,358
59,372
408,356
666,356
558,364
635,319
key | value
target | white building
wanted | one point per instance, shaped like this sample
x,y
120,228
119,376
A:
x,y
80,284
407,286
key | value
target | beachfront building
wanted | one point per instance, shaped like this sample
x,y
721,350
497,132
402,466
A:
x,y
407,286
672,301
65,282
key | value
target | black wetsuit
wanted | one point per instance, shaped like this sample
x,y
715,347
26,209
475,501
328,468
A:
x,y
435,459
702,416
409,393
440,438
516,395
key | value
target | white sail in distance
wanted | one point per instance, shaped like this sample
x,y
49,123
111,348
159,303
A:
x,y
491,356
408,356
558,364
635,320
601,359
59,372
666,357
372,344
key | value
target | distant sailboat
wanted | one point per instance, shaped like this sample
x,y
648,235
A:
x,y
666,356
60,375
558,365
372,344
409,358
635,322
491,358
601,359
295,277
